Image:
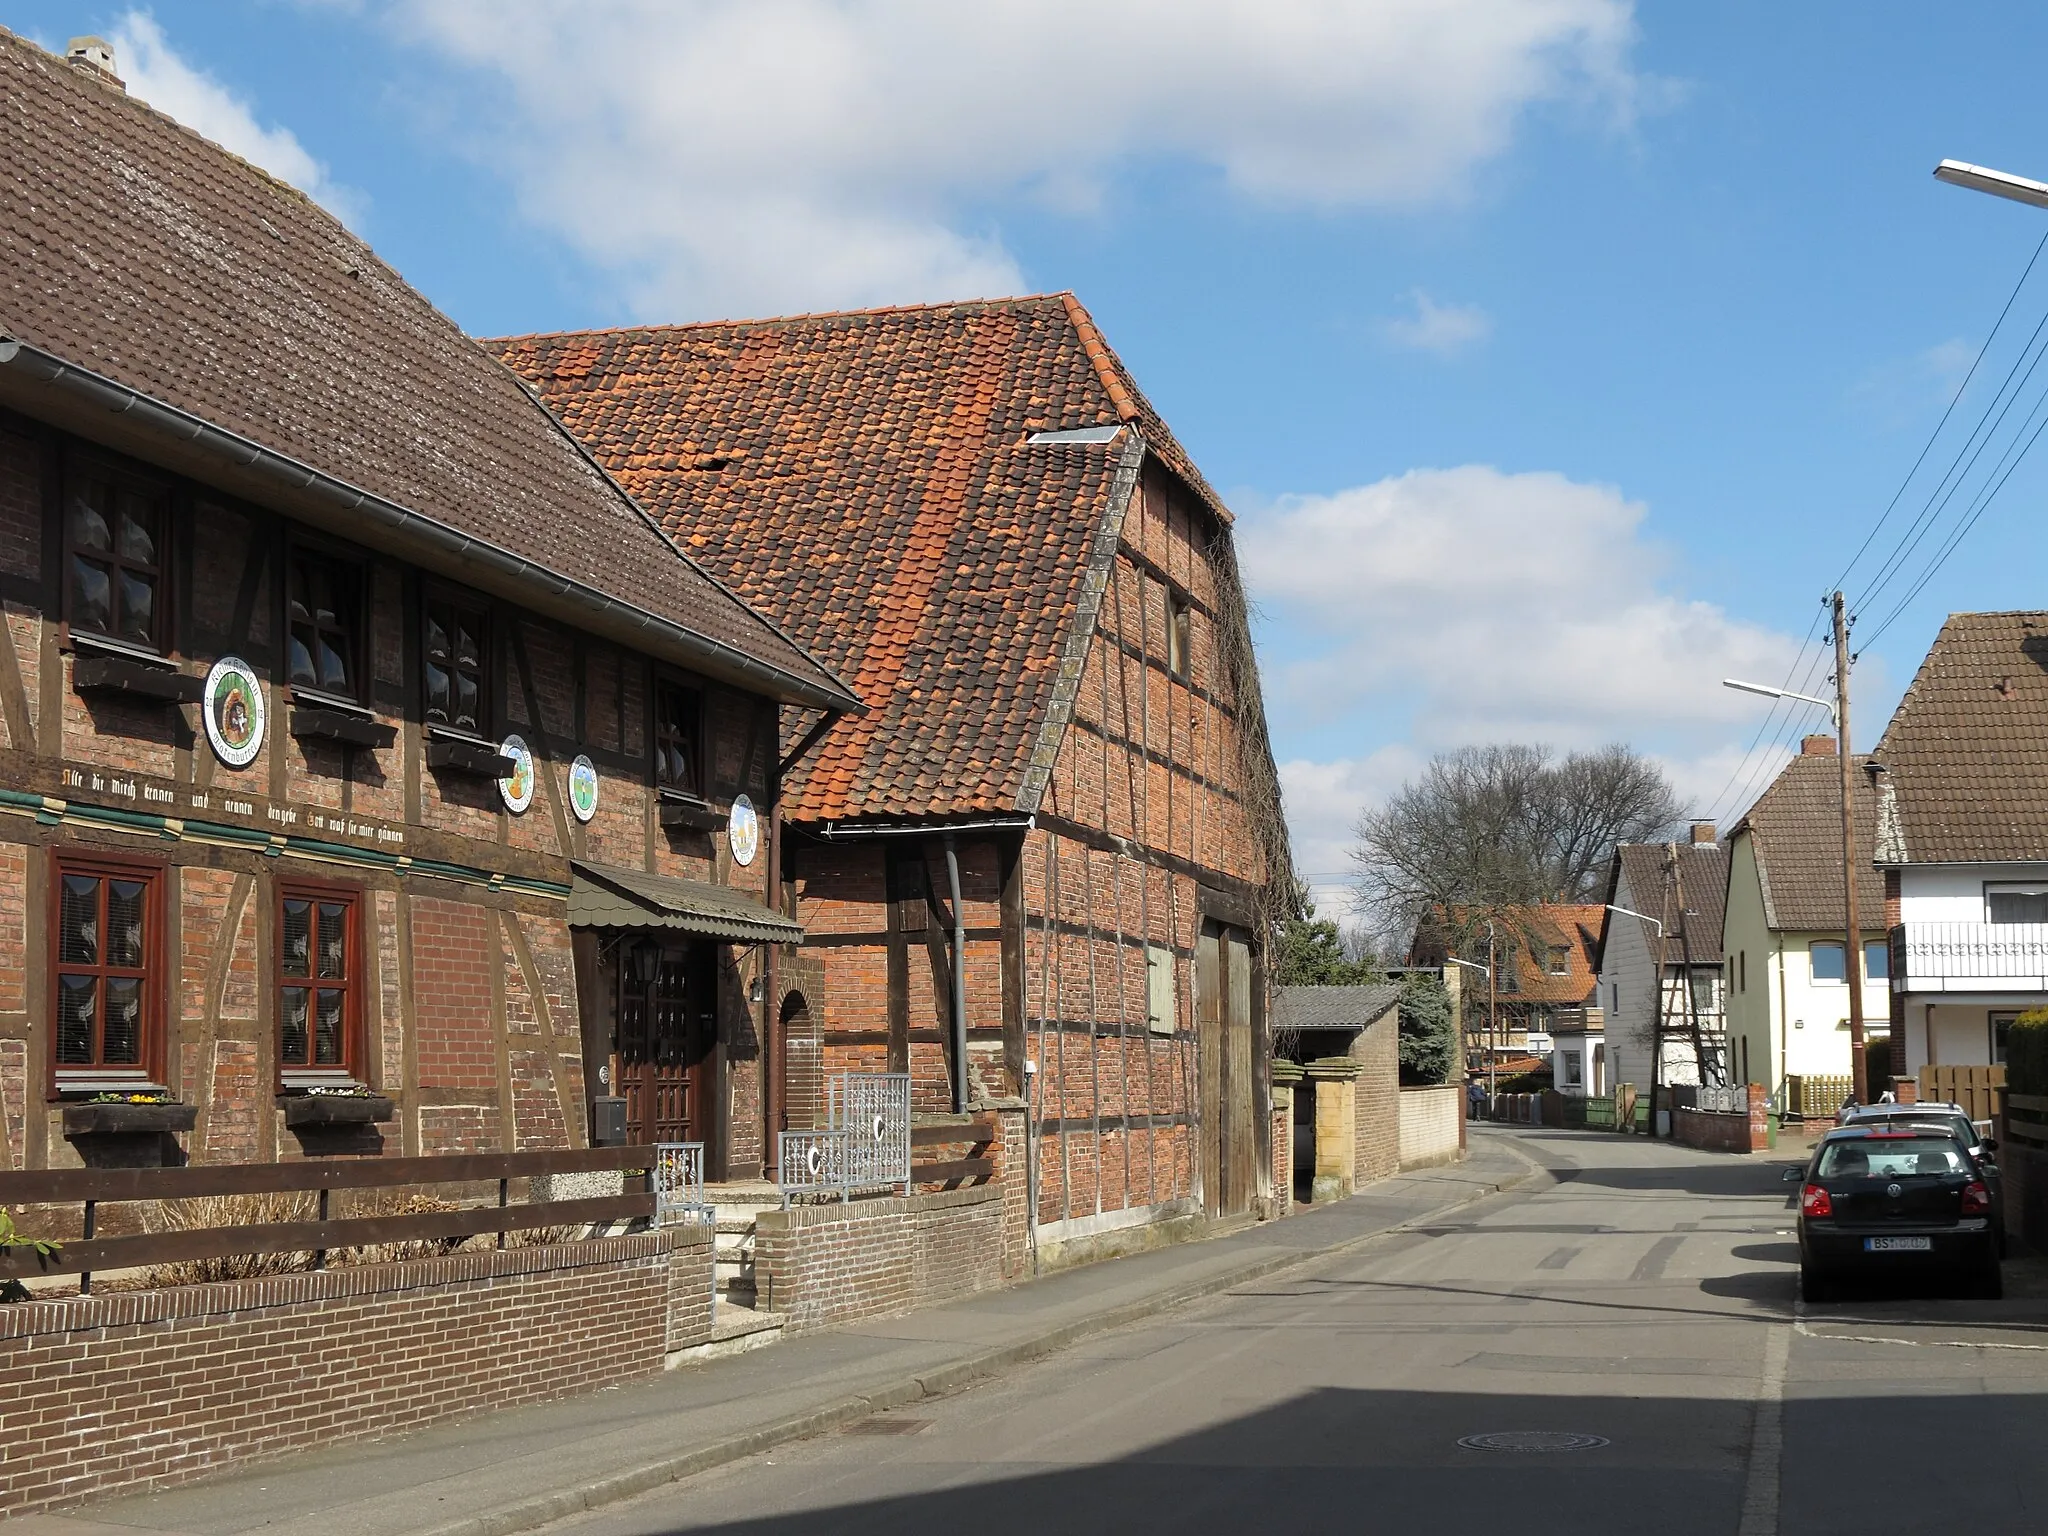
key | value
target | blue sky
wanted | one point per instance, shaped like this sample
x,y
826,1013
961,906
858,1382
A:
x,y
1556,354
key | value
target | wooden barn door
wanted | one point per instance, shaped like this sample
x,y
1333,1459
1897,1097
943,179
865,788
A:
x,y
1225,1056
668,1029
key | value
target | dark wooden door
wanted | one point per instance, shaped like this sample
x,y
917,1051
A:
x,y
667,1031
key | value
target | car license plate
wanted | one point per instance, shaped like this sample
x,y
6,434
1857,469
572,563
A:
x,y
1897,1244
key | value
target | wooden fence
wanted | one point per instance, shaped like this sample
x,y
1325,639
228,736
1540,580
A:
x,y
94,1187
1816,1097
978,1134
1978,1089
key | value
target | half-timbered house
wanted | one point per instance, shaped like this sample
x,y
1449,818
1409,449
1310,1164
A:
x,y
373,771
1037,874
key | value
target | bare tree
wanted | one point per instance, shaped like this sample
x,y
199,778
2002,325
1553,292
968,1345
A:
x,y
1486,829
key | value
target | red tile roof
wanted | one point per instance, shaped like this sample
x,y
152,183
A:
x,y
135,249
866,480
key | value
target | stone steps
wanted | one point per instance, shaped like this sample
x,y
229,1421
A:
x,y
735,1329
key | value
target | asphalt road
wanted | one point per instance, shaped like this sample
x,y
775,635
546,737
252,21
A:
x,y
1646,1298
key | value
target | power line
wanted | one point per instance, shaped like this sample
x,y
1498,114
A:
x,y
1954,400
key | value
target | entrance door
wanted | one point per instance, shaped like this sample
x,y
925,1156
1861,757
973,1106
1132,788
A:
x,y
668,1028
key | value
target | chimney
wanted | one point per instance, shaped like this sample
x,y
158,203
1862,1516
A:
x,y
95,55
1703,834
1817,746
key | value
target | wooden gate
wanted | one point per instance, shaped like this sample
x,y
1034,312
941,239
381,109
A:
x,y
668,1026
1978,1089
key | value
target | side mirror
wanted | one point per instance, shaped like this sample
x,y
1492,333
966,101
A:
x,y
1988,1144
1792,1175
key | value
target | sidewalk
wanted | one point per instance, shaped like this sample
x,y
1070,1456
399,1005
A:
x,y
521,1468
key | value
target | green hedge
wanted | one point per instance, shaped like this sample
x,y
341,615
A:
x,y
2026,1053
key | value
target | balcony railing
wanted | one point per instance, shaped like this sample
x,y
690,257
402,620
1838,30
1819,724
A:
x,y
1970,957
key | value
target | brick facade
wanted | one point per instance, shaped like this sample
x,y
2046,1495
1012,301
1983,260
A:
x,y
820,1265
125,1392
467,993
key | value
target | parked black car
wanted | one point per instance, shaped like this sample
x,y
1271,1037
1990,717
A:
x,y
1883,1201
1980,1144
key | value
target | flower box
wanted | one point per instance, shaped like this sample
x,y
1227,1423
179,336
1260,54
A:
x,y
128,1119
315,1111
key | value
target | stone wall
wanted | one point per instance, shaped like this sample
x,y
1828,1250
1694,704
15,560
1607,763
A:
x,y
819,1265
143,1389
1429,1126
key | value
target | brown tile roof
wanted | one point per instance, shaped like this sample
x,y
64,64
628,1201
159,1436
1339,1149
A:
x,y
1796,830
1966,753
135,249
866,480
1639,871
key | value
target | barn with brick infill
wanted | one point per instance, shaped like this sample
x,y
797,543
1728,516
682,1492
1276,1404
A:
x,y
1037,874
375,775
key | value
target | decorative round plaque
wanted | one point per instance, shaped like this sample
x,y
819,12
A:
x,y
743,830
583,787
516,788
233,705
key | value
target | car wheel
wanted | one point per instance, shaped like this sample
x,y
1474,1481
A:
x,y
1814,1290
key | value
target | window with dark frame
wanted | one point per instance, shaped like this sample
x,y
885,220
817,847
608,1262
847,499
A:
x,y
318,978
114,557
678,738
323,625
455,660
108,975
1177,633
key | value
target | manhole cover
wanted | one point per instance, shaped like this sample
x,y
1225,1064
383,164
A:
x,y
1532,1440
887,1426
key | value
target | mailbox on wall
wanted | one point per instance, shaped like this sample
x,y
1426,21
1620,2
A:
x,y
607,1122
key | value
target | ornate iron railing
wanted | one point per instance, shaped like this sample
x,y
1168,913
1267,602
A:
x,y
866,1144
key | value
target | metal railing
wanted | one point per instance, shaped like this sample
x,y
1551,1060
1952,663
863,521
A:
x,y
1938,956
865,1145
679,1184
1731,1099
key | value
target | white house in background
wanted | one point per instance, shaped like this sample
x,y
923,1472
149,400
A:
x,y
1783,961
1578,1058
1634,963
1961,781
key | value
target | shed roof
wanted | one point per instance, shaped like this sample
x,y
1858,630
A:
x,y
1352,1008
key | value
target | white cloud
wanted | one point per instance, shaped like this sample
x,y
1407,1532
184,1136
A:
x,y
156,73
1444,607
741,156
1439,328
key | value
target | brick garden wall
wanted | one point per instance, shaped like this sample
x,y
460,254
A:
x,y
1712,1132
149,1388
1429,1126
820,1265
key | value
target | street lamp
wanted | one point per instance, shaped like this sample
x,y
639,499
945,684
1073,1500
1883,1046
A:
x,y
1631,912
1979,178
1838,711
1487,972
1779,693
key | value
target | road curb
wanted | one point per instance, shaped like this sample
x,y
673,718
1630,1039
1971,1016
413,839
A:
x,y
543,1509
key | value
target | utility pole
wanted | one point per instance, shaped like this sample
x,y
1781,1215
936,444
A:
x,y
1852,955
